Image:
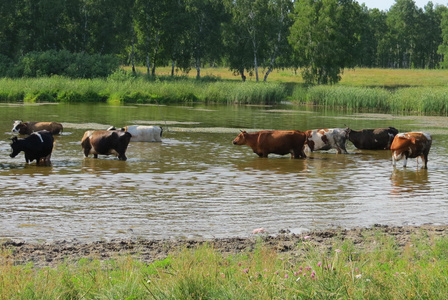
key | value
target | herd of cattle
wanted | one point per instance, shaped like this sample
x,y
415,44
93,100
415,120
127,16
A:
x,y
403,145
38,145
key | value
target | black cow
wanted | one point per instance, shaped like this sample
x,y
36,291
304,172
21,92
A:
x,y
37,146
372,139
106,142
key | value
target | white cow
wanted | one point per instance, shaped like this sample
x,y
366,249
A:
x,y
325,139
142,133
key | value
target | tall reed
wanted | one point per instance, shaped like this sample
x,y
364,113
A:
x,y
139,90
427,100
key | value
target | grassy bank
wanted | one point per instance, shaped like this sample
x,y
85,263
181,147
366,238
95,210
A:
x,y
372,266
139,90
394,91
413,100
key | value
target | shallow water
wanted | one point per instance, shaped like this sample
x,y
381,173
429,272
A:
x,y
197,184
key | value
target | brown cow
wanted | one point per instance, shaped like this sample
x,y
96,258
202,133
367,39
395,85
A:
x,y
30,127
411,145
372,139
106,142
274,141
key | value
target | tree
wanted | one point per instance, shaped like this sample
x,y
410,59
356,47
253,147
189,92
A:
x,y
443,48
204,31
373,31
277,33
150,21
326,35
402,23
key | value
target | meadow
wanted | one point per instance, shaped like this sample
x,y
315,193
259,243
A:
x,y
374,265
380,90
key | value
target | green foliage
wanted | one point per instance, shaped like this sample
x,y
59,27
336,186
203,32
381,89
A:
x,y
64,63
140,90
404,100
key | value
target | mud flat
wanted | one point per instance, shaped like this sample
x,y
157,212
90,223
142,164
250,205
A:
x,y
54,253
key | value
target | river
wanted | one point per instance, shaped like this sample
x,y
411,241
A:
x,y
197,184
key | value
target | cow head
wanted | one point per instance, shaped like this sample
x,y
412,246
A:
x,y
15,147
241,138
19,126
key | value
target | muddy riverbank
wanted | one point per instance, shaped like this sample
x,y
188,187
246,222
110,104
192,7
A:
x,y
54,253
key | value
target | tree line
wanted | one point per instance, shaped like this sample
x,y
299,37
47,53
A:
x,y
319,37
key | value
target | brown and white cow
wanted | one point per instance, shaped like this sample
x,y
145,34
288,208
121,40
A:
x,y
106,142
143,133
326,139
37,146
279,142
30,127
411,145
372,139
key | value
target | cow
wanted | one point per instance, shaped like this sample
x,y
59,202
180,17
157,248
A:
x,y
37,146
326,139
106,142
142,133
30,127
279,142
372,139
411,145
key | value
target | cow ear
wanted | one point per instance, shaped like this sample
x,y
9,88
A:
x,y
243,131
14,139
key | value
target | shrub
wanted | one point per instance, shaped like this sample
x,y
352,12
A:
x,y
64,63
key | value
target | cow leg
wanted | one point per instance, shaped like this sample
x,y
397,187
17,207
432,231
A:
x,y
86,152
394,162
405,161
425,161
122,156
95,155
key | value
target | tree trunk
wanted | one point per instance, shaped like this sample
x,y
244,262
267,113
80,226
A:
x,y
243,77
267,73
198,68
256,66
172,68
148,64
156,52
132,53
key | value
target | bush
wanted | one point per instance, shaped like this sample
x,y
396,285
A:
x,y
64,63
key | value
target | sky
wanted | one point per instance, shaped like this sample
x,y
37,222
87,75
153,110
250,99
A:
x,y
386,4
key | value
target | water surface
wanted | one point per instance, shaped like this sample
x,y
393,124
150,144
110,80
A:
x,y
197,184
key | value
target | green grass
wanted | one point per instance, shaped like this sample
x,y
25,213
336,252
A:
x,y
375,268
379,90
139,90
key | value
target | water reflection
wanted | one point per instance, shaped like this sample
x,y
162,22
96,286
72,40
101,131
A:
x,y
104,165
409,181
278,165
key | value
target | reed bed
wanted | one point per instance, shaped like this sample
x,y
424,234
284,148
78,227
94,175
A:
x,y
413,100
375,267
138,90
